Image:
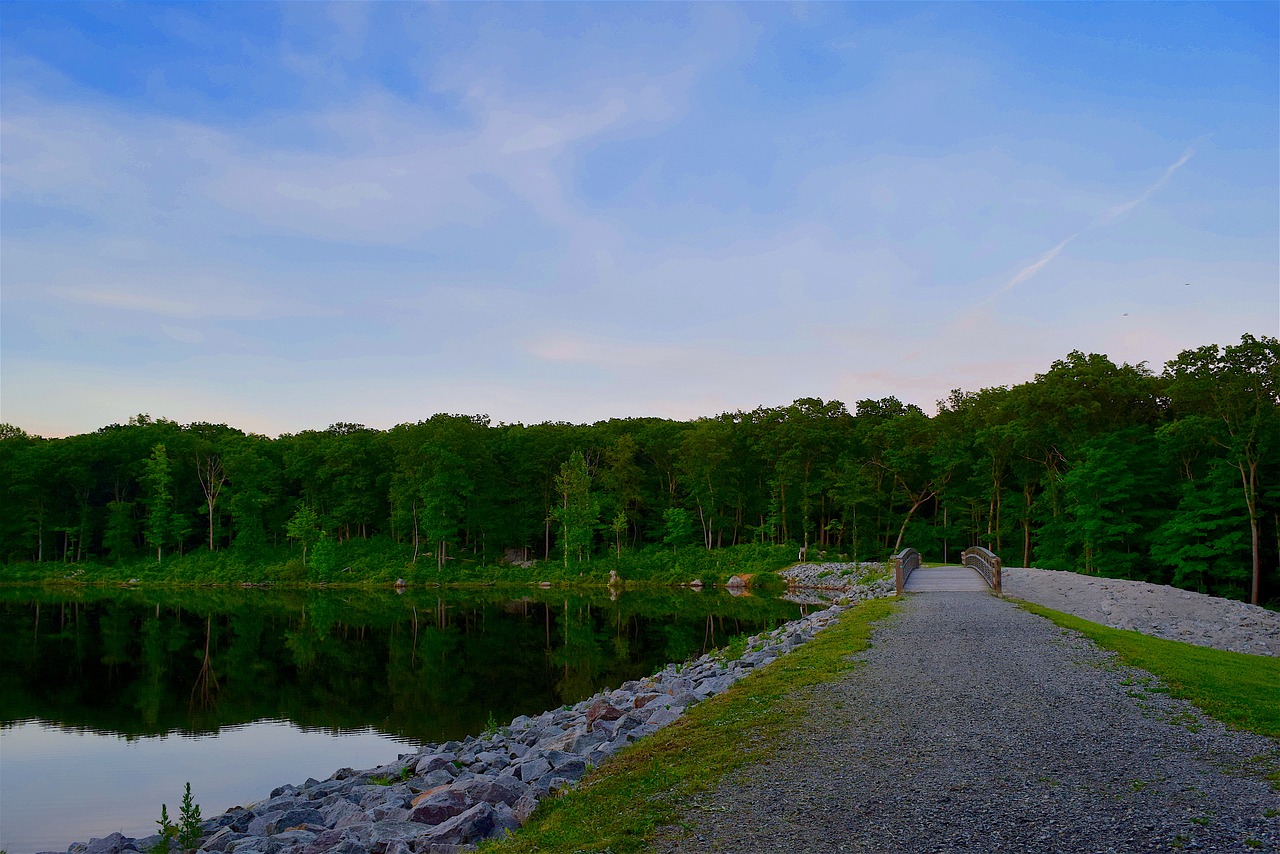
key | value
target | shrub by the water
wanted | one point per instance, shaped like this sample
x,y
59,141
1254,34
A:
x,y
380,561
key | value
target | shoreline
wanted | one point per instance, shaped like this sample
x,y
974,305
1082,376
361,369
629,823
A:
x,y
447,797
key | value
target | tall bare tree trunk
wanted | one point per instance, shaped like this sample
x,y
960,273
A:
x,y
902,532
1249,479
415,530
1026,529
212,479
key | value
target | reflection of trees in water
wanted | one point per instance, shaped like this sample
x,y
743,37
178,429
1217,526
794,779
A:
x,y
581,654
621,643
430,666
681,641
150,687
205,689
426,676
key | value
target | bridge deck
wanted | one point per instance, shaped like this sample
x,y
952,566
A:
x,y
945,578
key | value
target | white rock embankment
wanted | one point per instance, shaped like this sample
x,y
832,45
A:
x,y
1153,609
812,583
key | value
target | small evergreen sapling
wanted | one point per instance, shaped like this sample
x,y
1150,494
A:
x,y
189,832
167,832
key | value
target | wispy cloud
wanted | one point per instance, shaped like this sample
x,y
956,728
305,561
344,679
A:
x,y
205,297
1102,219
604,353
1122,209
1031,269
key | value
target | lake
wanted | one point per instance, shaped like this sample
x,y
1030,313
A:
x,y
112,699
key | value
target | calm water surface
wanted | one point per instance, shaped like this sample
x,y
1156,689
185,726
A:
x,y
110,700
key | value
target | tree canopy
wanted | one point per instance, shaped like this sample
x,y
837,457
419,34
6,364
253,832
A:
x,y
1170,477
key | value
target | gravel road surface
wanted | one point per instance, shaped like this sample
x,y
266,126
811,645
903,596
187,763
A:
x,y
976,726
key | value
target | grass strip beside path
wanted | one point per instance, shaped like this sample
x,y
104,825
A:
x,y
1237,689
618,807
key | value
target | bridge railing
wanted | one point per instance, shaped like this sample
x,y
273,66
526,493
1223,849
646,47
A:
x,y
904,563
986,563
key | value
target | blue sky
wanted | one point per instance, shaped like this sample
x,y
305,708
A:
x,y
286,215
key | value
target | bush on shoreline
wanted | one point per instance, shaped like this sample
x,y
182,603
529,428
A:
x,y
380,562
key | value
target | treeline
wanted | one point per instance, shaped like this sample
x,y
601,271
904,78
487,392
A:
x,y
1092,466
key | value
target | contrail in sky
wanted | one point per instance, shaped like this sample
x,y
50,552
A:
x,y
1102,219
1031,269
1164,179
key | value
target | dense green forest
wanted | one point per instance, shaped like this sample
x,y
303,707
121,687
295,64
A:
x,y
1096,467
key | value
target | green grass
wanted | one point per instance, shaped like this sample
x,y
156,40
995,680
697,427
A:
x,y
619,806
1237,689
389,780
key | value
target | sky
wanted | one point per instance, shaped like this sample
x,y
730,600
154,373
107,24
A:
x,y
282,216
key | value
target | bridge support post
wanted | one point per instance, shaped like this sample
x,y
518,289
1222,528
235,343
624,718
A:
x,y
904,563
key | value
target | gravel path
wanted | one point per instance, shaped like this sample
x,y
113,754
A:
x,y
976,726
1153,609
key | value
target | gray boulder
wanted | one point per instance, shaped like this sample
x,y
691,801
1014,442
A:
x,y
478,822
338,810
294,839
524,807
499,790
436,778
329,840
532,769
112,844
384,834
373,796
575,769
389,812
439,807
505,820
492,759
272,823
664,716
221,839
584,743
438,762
712,686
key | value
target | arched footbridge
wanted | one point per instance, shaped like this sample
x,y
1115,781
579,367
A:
x,y
980,571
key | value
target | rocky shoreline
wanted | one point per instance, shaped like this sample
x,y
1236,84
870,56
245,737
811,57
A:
x,y
447,797
814,583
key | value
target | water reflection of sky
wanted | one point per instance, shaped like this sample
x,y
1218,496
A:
x,y
59,786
